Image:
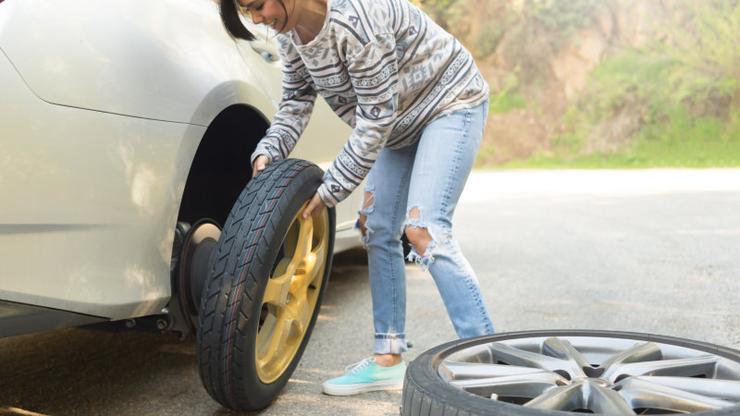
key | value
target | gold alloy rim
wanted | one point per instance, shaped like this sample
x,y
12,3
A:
x,y
291,294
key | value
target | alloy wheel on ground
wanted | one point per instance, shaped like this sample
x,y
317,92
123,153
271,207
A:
x,y
569,372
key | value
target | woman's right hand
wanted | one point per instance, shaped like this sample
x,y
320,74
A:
x,y
259,165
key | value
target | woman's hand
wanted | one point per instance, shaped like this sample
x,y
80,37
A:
x,y
259,165
315,205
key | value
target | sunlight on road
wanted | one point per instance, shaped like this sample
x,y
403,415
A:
x,y
17,411
484,184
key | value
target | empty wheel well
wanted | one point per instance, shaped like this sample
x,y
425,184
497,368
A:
x,y
221,167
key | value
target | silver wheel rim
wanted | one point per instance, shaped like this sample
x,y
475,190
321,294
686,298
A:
x,y
596,374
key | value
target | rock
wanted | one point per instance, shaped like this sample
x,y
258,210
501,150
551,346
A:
x,y
576,61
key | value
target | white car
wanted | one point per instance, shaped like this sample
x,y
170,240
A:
x,y
126,129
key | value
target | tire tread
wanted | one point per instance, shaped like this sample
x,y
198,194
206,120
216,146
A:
x,y
231,289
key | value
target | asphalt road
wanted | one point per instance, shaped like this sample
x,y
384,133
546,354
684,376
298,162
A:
x,y
654,251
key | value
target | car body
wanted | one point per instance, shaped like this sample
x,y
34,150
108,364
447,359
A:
x,y
119,120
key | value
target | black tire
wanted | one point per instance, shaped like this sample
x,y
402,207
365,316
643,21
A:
x,y
406,248
425,393
239,270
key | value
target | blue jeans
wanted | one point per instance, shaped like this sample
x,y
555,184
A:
x,y
419,186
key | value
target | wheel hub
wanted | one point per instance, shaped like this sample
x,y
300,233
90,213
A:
x,y
198,243
600,382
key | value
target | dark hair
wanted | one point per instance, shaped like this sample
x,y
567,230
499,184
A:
x,y
232,22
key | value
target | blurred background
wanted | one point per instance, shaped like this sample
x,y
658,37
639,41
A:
x,y
604,83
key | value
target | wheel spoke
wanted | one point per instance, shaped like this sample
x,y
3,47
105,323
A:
x,y
264,334
559,398
647,351
302,246
516,356
274,345
683,367
563,349
316,258
522,385
305,276
718,389
461,371
298,313
606,401
276,291
480,353
320,249
645,394
314,267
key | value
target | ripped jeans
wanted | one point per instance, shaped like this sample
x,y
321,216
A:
x,y
419,186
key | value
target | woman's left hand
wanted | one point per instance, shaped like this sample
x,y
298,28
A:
x,y
315,205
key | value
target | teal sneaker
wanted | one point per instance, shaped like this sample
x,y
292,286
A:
x,y
365,376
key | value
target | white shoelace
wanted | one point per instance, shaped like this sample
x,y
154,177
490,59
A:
x,y
354,368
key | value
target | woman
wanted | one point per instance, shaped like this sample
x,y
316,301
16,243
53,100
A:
x,y
418,106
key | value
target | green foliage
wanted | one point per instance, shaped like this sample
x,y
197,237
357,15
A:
x,y
485,44
681,91
539,30
556,19
559,16
689,143
508,98
683,140
673,102
439,10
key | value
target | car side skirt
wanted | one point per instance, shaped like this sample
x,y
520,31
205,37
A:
x,y
19,319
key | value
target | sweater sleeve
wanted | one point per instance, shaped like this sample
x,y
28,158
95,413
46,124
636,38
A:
x,y
373,72
294,111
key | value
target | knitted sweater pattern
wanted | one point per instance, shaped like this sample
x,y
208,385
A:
x,y
386,69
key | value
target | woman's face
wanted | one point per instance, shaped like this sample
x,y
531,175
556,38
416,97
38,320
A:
x,y
268,12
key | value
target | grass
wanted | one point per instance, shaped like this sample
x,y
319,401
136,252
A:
x,y
508,98
683,142
673,102
644,155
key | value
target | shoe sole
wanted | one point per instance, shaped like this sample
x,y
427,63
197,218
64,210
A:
x,y
352,389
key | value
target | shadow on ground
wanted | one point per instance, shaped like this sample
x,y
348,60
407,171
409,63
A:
x,y
90,372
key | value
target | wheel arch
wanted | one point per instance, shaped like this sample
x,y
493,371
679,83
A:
x,y
221,167
218,172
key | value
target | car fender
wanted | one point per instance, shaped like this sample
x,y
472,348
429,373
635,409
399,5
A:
x,y
135,58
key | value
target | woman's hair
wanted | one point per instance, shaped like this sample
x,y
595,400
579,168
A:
x,y
232,21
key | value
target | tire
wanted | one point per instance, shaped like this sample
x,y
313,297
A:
x,y
264,287
406,248
427,393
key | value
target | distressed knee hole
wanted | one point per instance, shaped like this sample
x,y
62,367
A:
x,y
418,237
368,204
421,239
361,224
369,200
415,213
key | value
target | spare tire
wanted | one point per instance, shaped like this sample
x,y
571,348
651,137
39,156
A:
x,y
264,287
541,373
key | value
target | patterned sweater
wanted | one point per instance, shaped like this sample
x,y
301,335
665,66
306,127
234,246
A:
x,y
386,69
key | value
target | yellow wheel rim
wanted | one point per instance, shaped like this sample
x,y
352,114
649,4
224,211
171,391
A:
x,y
291,294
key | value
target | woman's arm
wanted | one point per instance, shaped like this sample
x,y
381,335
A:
x,y
294,111
373,72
